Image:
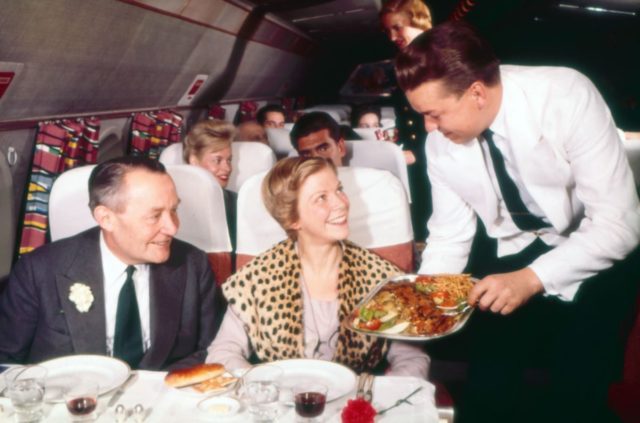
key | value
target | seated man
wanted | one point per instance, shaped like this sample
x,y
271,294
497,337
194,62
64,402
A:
x,y
126,288
271,116
317,134
516,146
251,131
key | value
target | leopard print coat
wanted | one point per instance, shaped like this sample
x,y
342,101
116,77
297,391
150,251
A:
x,y
267,296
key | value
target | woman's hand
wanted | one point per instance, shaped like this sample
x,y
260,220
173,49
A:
x,y
505,292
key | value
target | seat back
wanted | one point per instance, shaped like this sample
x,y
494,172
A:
x,y
279,141
69,212
172,154
379,155
203,221
379,217
248,159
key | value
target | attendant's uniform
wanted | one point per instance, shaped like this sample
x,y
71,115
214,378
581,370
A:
x,y
560,148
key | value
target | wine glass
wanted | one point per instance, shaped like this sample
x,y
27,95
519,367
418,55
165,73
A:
x,y
81,398
310,399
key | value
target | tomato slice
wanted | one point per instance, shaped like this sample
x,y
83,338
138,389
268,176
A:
x,y
373,324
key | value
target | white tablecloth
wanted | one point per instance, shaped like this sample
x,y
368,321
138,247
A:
x,y
164,404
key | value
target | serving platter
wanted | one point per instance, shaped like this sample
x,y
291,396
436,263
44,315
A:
x,y
456,322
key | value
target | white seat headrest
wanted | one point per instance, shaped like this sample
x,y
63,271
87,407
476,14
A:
x,y
69,212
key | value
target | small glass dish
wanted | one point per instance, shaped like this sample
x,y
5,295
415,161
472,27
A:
x,y
220,407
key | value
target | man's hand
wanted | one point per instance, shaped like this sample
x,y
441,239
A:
x,y
504,292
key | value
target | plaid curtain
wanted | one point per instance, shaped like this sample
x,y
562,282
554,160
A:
x,y
151,132
246,112
60,145
217,112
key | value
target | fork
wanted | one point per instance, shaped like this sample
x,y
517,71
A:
x,y
368,392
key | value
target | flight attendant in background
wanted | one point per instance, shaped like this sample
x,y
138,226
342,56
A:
x,y
404,20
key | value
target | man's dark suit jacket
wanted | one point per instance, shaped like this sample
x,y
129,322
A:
x,y
39,322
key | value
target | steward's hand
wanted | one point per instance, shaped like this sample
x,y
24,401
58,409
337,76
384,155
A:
x,y
504,292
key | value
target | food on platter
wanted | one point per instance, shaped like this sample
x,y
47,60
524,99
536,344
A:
x,y
202,378
409,305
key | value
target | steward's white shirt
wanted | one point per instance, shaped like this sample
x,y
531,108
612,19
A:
x,y
562,149
114,274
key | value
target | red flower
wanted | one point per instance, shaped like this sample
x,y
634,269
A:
x,y
358,411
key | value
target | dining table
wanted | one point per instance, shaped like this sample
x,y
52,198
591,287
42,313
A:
x,y
161,403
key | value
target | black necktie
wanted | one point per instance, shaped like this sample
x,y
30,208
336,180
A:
x,y
510,194
127,341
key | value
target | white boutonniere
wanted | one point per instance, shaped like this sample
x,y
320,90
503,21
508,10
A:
x,y
81,295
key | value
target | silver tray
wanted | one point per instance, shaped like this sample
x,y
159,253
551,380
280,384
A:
x,y
461,318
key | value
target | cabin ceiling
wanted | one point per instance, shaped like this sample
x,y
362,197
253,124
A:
x,y
330,20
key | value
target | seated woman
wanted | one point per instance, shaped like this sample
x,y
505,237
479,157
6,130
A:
x,y
366,117
289,301
208,145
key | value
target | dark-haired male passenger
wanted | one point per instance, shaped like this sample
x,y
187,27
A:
x,y
317,134
271,116
533,153
126,288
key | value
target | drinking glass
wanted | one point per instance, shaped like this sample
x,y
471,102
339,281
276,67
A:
x,y
309,398
260,391
81,398
25,388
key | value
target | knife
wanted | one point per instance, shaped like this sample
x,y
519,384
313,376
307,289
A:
x,y
116,396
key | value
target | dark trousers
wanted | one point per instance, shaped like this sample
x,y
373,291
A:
x,y
578,344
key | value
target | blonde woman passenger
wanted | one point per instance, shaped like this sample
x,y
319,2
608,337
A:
x,y
208,145
289,301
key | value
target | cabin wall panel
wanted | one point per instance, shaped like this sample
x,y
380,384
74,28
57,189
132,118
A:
x,y
92,56
22,141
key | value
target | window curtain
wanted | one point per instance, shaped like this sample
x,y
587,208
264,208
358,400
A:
x,y
60,145
151,132
217,112
246,112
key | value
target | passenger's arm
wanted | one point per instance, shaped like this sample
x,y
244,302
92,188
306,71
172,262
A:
x,y
407,359
231,346
207,312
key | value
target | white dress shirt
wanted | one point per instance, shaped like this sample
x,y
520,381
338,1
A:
x,y
114,273
562,149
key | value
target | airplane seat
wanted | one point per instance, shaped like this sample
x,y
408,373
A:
x,y
623,395
248,159
379,155
203,220
379,217
69,212
387,122
388,112
289,126
279,141
367,134
172,155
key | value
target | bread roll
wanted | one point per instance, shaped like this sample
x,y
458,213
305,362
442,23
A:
x,y
192,375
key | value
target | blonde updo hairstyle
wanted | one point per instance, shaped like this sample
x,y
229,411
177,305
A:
x,y
418,12
281,187
207,135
